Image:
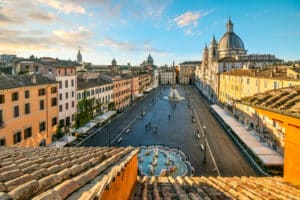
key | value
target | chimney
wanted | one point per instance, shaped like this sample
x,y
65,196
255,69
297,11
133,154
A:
x,y
272,74
33,79
275,69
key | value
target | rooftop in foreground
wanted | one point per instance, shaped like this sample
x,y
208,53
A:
x,y
95,172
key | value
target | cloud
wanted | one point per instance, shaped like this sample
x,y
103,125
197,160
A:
x,y
38,40
15,12
66,7
189,18
72,38
42,16
127,46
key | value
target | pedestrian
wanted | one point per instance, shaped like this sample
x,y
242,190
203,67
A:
x,y
169,116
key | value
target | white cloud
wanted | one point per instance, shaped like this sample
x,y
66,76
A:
x,y
189,18
66,7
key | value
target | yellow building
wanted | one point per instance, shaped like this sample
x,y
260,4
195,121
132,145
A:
x,y
239,83
28,110
285,101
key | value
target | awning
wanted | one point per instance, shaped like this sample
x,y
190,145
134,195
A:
x,y
138,95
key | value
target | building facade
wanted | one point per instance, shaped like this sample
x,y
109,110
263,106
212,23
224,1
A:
x,y
96,89
65,73
187,71
28,110
271,130
227,54
167,76
240,83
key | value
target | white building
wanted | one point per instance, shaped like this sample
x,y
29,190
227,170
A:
x,y
155,80
98,89
224,56
65,73
167,76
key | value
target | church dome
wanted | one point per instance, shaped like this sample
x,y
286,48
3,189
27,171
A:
x,y
230,40
230,44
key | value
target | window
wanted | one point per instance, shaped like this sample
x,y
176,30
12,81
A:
x,y
67,106
27,108
27,132
15,96
2,142
2,98
42,126
275,85
72,93
16,111
93,92
42,104
53,90
53,101
42,92
60,84
60,96
73,117
60,108
27,94
66,83
1,119
72,83
73,104
54,121
67,95
17,137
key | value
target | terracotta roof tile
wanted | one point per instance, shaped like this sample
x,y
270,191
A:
x,y
214,188
55,173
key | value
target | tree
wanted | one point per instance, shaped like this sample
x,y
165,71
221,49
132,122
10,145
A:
x,y
85,111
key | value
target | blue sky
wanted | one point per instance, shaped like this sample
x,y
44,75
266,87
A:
x,y
130,29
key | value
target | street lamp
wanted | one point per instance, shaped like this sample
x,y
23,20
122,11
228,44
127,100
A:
x,y
204,136
109,133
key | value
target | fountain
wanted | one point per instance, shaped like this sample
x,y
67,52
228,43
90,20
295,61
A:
x,y
162,161
168,161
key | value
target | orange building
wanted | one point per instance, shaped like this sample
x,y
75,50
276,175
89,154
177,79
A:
x,y
122,93
28,110
281,109
145,82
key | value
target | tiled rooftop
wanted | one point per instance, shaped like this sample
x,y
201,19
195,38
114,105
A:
x,y
285,100
17,81
59,173
90,83
279,73
214,188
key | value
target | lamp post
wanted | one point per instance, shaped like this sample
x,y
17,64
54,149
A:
x,y
109,133
204,136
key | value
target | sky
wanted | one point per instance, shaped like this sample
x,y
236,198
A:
x,y
128,30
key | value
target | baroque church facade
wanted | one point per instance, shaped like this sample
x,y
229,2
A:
x,y
227,54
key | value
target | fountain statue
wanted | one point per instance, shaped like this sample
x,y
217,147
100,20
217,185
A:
x,y
163,172
147,152
154,161
168,161
156,152
151,169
